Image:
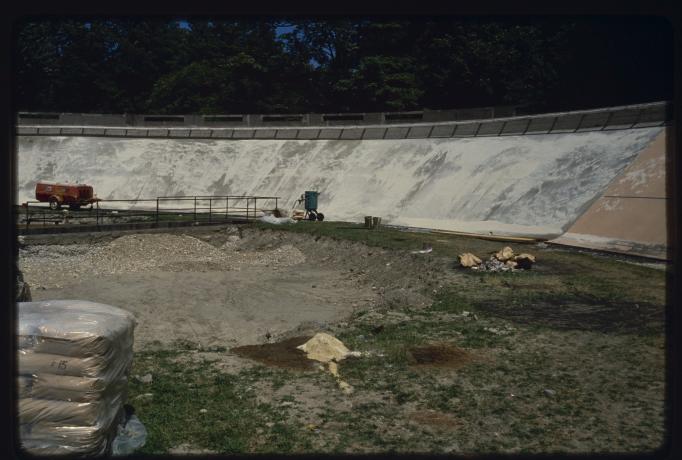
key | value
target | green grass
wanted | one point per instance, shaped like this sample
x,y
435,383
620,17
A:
x,y
385,237
233,416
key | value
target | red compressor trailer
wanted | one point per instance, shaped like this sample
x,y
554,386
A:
x,y
73,195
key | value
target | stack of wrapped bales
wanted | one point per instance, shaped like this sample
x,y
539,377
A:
x,y
73,364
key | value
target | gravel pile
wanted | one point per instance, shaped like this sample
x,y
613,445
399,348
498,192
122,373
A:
x,y
283,256
55,265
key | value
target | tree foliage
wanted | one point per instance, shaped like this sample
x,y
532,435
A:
x,y
338,65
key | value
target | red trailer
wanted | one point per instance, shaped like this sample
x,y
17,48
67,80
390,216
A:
x,y
73,195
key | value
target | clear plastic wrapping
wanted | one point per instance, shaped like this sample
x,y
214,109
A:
x,y
74,360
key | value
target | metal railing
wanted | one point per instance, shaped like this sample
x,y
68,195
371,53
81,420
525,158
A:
x,y
190,209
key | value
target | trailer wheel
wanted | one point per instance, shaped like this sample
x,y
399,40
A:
x,y
320,216
312,216
54,204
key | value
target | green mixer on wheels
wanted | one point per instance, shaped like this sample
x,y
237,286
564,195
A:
x,y
310,200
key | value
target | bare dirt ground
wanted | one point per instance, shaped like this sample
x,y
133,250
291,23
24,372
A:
x,y
214,289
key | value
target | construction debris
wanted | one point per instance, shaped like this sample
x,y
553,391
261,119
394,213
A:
x,y
468,260
74,359
298,214
325,348
328,349
504,254
501,261
426,248
525,261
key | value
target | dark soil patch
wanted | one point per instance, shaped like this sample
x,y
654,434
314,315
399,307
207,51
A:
x,y
434,418
583,313
438,355
279,354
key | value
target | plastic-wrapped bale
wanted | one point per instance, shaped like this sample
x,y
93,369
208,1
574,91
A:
x,y
74,361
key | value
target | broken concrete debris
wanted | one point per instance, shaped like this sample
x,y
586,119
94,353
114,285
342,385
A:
x,y
501,261
426,248
468,260
525,261
504,254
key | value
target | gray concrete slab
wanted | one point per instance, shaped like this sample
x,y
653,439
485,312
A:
x,y
419,132
308,134
93,131
593,121
21,130
265,134
540,125
72,131
443,131
466,130
221,133
49,130
157,132
286,133
515,127
352,133
178,132
374,133
396,132
243,133
200,133
114,132
491,128
567,123
135,132
623,118
330,133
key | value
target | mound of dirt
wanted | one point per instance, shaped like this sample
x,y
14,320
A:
x,y
438,355
279,354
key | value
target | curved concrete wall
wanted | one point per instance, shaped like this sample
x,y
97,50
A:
x,y
237,120
312,127
517,184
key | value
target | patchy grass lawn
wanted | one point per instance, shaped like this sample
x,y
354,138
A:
x,y
568,357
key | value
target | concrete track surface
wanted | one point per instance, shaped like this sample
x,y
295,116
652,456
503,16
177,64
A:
x,y
528,185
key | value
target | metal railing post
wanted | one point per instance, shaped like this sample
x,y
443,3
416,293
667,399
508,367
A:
x,y
210,208
227,204
255,207
97,214
157,211
195,209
